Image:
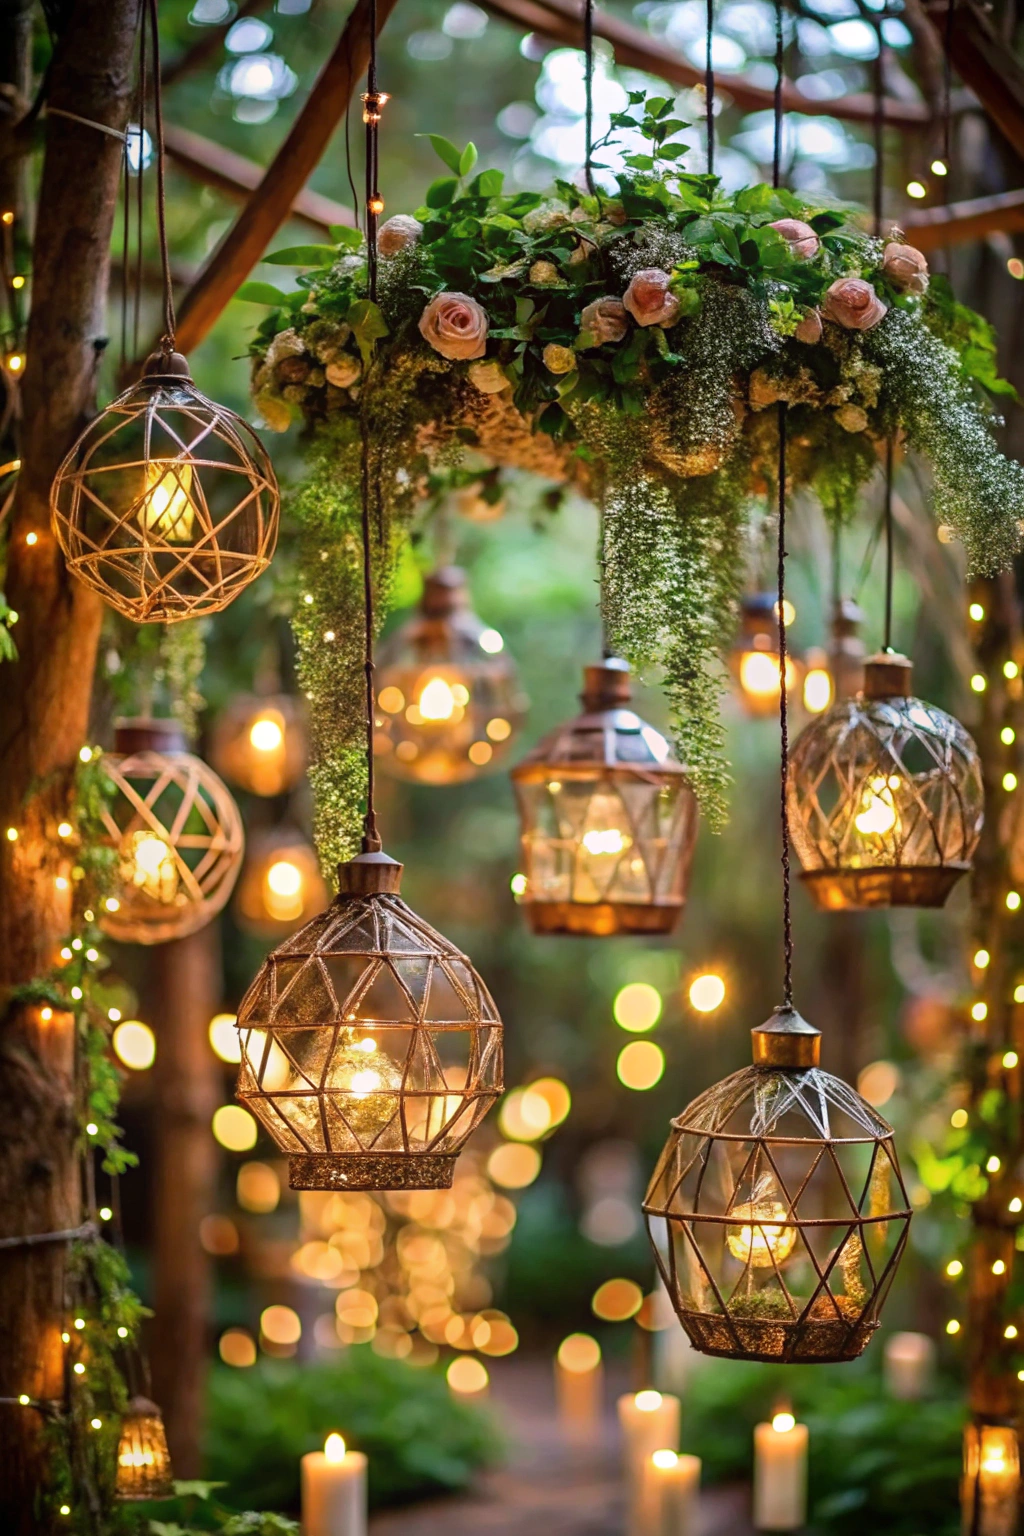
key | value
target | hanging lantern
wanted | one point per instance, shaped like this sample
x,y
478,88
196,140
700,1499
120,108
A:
x,y
143,1461
884,797
448,698
777,1211
280,885
260,743
167,505
839,671
754,660
371,1049
990,1492
177,833
609,820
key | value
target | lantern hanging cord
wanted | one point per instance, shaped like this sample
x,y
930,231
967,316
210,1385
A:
x,y
947,85
780,74
167,340
373,106
787,915
588,58
889,458
878,119
709,84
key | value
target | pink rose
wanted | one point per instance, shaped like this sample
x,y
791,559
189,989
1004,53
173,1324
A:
x,y
455,325
605,320
648,298
809,329
854,304
800,237
906,268
398,233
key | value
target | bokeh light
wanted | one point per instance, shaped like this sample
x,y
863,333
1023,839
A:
x,y
707,992
525,1115
514,1164
280,1325
579,1353
637,1007
134,1044
224,1037
258,1188
617,1300
468,1376
218,1236
237,1347
878,1082
640,1065
235,1128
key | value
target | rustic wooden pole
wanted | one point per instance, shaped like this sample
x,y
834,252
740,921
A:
x,y
44,710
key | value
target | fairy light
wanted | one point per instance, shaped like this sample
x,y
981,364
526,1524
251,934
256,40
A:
x,y
1015,1206
106,1214
979,1011
999,1268
24,1399
1013,901
979,683
1007,735
981,958
939,168
1011,669
77,994
17,281
78,1368
976,612
952,1327
31,538
12,834
954,1268
1010,1331
1010,1060
916,189
92,1129
958,1119
993,1164
1009,782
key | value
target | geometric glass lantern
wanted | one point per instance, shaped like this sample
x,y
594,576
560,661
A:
x,y
143,1461
754,658
167,505
777,1211
260,743
448,698
371,1049
884,797
609,820
280,885
177,832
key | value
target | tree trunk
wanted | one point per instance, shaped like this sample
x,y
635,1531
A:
x,y
44,708
184,986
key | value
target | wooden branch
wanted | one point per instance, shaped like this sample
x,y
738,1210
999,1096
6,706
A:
x,y
271,203
207,44
215,166
560,20
958,223
984,63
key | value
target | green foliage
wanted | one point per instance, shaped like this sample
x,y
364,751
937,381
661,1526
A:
x,y
8,619
419,1440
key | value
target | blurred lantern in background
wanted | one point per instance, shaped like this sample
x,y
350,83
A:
x,y
754,660
608,819
260,743
884,797
448,697
847,651
177,833
280,885
143,1460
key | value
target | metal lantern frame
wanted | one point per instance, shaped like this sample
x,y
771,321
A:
x,y
736,1202
912,768
623,759
203,834
143,1460
443,640
369,975
187,556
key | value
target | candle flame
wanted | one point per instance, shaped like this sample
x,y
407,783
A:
x,y
648,1402
782,1423
334,1448
437,701
168,508
665,1459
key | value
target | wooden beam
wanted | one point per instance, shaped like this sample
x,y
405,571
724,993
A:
x,y
215,166
272,201
959,223
987,65
560,20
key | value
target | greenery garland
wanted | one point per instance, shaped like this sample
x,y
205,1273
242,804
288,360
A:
x,y
637,344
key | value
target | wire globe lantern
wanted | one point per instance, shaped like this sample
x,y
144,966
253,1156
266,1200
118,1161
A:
x,y
448,698
371,1049
177,833
143,1460
167,505
259,743
884,797
608,819
777,1211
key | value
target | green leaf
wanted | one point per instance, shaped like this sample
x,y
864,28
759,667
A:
x,y
490,183
445,151
467,159
346,235
368,325
303,256
825,223
440,193
260,293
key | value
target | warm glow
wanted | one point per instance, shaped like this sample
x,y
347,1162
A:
x,y
579,1354
759,1238
391,700
480,752
334,1448
664,1460
707,992
782,1423
958,1119
879,814
954,1268
284,878
979,1011
467,1376
976,612
235,1128
878,1082
237,1348
257,1188
491,642
1010,1059
817,691
617,1300
648,1402
266,733
134,1044
525,1115
610,840
637,1007
436,701
224,1037
514,1165
555,1094
147,862
759,673
167,507
499,729
981,958
280,1325
640,1065
916,189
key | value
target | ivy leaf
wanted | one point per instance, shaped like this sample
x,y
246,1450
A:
x,y
260,293
368,325
303,256
445,151
467,159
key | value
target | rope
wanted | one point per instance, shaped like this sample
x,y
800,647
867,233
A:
x,y
878,120
33,1239
86,122
780,74
709,85
889,457
167,340
588,57
787,915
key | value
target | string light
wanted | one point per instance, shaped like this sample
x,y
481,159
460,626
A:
x,y
1007,735
916,189
958,1119
1009,1332
993,1164
1011,669
979,1011
17,281
979,683
952,1326
1010,1060
981,958
1015,1205
940,168
31,538
1009,782
976,612
1013,900
999,1268
954,1268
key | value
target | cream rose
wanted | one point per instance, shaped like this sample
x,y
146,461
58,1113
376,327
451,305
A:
x,y
853,304
800,237
809,329
558,359
456,326
605,320
488,377
343,372
398,233
648,298
906,267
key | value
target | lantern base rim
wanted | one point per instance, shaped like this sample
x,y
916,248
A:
x,y
163,1490
371,1170
808,1341
602,919
906,885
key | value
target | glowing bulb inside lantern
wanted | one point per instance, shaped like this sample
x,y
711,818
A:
x,y
365,1093
334,1448
437,701
603,837
879,814
167,507
282,894
609,841
817,691
759,673
266,734
147,862
759,1238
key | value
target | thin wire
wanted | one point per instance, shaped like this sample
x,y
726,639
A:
x,y
889,457
588,57
780,73
947,86
879,132
787,915
709,85
167,340
348,168
372,103
140,186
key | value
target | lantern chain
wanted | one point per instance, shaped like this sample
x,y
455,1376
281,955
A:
x,y
787,915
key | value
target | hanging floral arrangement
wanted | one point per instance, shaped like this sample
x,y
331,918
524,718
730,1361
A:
x,y
637,345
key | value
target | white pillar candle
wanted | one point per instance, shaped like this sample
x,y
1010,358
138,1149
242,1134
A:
x,y
579,1386
649,1422
780,1474
334,1491
909,1365
671,1494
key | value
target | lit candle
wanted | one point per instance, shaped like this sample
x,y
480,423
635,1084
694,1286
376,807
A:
x,y
334,1491
579,1384
909,1365
650,1422
992,1478
671,1492
780,1474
